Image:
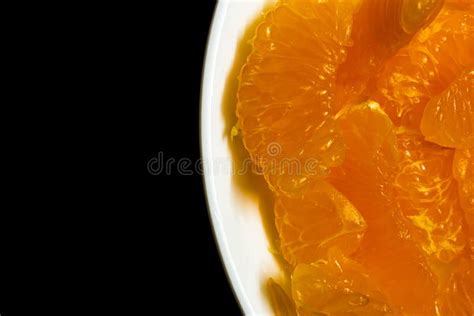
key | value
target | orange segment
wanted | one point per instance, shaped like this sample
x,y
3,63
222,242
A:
x,y
461,4
457,297
309,224
463,171
388,252
448,119
373,219
336,286
434,58
427,195
286,91
380,29
397,264
371,159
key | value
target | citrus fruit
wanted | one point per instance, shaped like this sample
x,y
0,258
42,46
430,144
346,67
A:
x,y
427,194
463,171
448,118
389,253
434,58
336,285
286,89
311,223
379,29
371,160
394,261
461,4
374,200
457,296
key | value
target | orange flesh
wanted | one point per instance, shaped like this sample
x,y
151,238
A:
x,y
312,223
463,170
428,196
380,28
360,115
365,177
448,119
434,58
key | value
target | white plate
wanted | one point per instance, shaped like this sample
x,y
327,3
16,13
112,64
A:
x,y
235,214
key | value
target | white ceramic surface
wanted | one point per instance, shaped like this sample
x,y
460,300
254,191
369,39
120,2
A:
x,y
235,218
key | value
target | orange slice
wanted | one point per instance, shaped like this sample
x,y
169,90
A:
x,y
461,4
372,157
336,286
321,218
380,28
448,119
427,195
286,91
457,297
434,58
463,171
390,255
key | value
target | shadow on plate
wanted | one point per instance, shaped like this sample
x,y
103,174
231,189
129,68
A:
x,y
251,184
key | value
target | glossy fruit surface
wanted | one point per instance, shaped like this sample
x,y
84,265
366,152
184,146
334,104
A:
x,y
336,286
448,119
426,67
366,178
380,28
286,89
310,224
427,194
360,116
463,171
457,296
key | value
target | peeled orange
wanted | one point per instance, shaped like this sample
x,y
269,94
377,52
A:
x,y
435,57
457,296
390,255
359,114
311,223
463,171
337,285
448,118
286,88
380,28
428,196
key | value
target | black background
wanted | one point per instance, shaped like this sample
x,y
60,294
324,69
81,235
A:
x,y
177,247
84,232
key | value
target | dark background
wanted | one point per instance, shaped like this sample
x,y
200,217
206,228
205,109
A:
x,y
178,250
81,232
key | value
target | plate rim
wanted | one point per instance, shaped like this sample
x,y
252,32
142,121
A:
x,y
206,154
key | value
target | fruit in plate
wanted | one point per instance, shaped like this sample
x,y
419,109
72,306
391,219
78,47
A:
x,y
388,252
286,93
427,194
448,118
336,285
434,58
380,28
286,90
463,171
456,298
319,219
359,115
